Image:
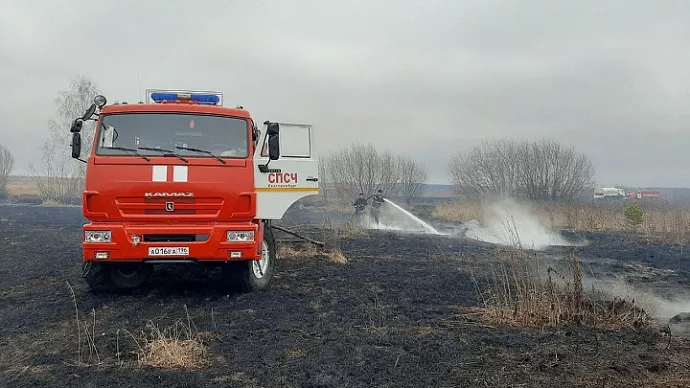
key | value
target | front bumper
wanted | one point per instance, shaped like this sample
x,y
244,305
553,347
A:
x,y
210,243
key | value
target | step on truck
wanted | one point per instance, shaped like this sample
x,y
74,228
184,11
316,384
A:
x,y
181,179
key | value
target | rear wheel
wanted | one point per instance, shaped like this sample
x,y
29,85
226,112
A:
x,y
102,277
252,275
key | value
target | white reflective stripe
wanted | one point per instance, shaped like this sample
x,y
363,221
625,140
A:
x,y
160,174
180,173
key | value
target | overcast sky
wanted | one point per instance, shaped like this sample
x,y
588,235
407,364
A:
x,y
422,78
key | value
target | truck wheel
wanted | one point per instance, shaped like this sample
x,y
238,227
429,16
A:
x,y
126,276
252,275
96,276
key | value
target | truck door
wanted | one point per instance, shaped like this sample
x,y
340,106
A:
x,y
291,177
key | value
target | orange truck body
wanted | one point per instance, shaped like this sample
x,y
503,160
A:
x,y
147,206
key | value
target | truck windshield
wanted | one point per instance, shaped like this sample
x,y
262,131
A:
x,y
188,135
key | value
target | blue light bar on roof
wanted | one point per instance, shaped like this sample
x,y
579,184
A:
x,y
209,99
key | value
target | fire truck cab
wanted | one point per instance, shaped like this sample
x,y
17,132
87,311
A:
x,y
181,179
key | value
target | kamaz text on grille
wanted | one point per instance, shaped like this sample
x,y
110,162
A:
x,y
282,179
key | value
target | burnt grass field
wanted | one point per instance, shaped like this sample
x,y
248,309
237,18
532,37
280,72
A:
x,y
401,312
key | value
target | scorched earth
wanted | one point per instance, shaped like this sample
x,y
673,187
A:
x,y
402,311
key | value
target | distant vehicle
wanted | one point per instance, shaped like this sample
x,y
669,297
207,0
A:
x,y
616,194
644,194
609,194
181,179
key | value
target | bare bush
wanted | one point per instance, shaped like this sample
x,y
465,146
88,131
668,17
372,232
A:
x,y
540,171
58,175
550,171
413,176
6,165
489,169
360,168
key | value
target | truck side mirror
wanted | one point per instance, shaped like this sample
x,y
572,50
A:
x,y
76,145
76,126
273,129
273,147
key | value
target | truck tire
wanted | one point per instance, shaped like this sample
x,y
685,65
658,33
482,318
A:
x,y
105,277
95,276
252,275
127,276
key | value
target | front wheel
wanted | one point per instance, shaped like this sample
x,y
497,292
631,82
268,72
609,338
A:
x,y
103,277
252,275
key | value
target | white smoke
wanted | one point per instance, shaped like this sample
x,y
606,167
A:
x,y
659,308
507,222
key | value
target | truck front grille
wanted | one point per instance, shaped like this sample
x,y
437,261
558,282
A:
x,y
138,206
176,237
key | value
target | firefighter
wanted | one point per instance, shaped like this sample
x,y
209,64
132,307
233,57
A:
x,y
360,204
376,205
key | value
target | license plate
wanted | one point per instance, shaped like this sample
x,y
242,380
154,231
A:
x,y
168,251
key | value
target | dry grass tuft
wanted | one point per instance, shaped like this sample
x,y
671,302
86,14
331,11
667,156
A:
x,y
309,251
350,231
21,186
54,203
166,352
420,331
336,256
457,211
337,207
296,251
178,346
294,353
517,294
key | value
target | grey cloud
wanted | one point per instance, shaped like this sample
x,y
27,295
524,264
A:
x,y
423,78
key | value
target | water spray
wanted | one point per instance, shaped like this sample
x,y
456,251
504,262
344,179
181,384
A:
x,y
426,227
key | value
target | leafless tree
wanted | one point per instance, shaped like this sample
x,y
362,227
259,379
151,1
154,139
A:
x,y
537,170
552,172
58,175
324,182
6,165
360,168
488,169
413,176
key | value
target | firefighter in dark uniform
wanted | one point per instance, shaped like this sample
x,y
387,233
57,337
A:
x,y
360,204
376,205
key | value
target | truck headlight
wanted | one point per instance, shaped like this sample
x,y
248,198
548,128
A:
x,y
240,235
97,236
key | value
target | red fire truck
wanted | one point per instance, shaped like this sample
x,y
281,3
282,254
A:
x,y
181,179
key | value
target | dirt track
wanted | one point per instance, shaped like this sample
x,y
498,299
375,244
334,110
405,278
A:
x,y
392,316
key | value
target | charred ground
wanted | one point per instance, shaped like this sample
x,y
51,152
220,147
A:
x,y
396,314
